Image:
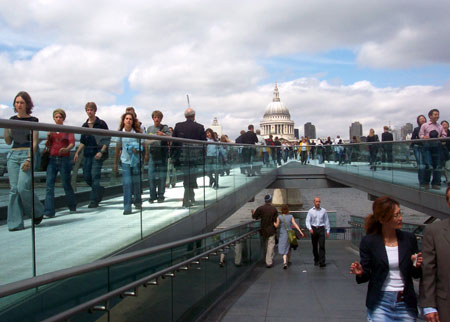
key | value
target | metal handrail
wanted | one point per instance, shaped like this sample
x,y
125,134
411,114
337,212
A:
x,y
44,279
102,132
91,304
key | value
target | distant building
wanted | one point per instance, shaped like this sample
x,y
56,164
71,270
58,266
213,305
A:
x,y
310,130
297,134
216,127
405,130
356,130
277,119
396,133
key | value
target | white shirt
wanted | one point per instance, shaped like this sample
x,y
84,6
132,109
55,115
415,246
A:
x,y
317,217
393,282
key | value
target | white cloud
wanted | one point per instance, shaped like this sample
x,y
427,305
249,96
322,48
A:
x,y
66,53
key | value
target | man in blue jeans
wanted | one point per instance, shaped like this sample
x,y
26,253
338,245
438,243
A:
x,y
432,150
95,152
156,152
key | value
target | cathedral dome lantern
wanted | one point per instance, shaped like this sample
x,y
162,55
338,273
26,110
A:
x,y
277,119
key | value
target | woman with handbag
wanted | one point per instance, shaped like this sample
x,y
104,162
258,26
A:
x,y
59,145
389,261
287,236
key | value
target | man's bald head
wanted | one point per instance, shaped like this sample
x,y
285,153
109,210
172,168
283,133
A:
x,y
189,114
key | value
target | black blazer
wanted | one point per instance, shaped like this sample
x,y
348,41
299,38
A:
x,y
375,264
188,156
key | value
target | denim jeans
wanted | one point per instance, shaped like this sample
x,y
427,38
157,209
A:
x,y
157,172
212,169
432,160
92,169
63,165
419,155
131,186
388,309
20,194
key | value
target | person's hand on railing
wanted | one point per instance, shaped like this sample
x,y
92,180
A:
x,y
356,269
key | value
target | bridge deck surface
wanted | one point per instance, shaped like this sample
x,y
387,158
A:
x,y
303,292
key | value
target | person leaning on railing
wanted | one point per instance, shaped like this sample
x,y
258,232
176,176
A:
x,y
59,145
389,260
19,167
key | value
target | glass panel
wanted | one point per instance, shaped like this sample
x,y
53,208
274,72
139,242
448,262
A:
x,y
107,187
16,231
48,300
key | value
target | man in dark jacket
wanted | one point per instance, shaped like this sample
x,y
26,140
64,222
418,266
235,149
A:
x,y
191,155
387,147
248,152
268,215
95,152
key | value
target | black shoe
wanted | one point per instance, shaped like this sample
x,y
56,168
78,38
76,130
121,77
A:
x,y
151,200
127,212
221,264
285,266
93,205
37,221
173,185
16,229
160,200
138,206
187,204
269,266
323,265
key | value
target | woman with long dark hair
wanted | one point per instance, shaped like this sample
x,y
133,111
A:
x,y
19,166
389,260
128,149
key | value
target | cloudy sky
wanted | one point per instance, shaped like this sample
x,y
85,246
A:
x,y
335,62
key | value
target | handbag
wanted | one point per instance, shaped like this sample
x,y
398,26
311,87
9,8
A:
x,y
291,234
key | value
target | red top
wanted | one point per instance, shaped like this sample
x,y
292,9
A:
x,y
58,141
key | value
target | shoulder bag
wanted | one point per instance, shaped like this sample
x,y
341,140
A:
x,y
291,234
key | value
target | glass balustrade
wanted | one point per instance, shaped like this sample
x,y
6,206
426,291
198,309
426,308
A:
x,y
134,189
181,294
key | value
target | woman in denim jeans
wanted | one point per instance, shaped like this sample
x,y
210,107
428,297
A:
x,y
418,149
128,149
19,167
389,261
59,144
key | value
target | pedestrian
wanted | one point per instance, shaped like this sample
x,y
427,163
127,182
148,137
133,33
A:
x,y
190,156
95,153
386,148
129,150
20,167
286,222
59,145
432,150
389,261
212,160
156,154
434,290
373,149
268,215
171,179
318,225
248,152
418,150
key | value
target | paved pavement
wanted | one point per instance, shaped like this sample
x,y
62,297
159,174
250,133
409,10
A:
x,y
303,292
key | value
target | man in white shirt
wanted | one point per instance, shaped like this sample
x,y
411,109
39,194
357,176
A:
x,y
318,225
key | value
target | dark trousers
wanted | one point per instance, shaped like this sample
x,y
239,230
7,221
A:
x,y
92,170
318,244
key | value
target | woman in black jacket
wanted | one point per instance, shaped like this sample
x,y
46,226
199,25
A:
x,y
389,261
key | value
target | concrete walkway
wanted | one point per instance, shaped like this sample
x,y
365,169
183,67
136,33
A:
x,y
303,292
